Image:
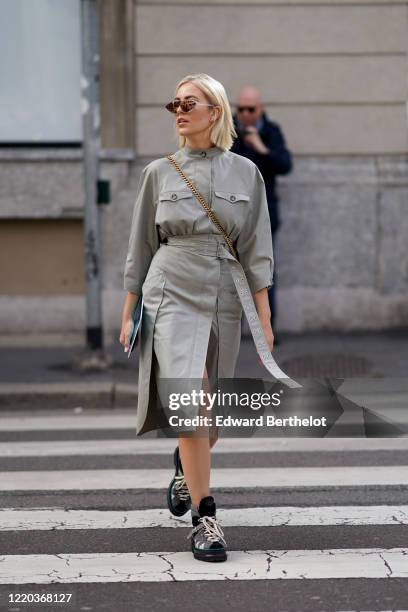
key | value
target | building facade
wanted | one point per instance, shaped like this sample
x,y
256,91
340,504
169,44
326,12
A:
x,y
333,74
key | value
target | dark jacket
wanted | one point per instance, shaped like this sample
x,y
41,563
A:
x,y
278,161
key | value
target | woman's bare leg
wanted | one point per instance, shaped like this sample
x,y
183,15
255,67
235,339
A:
x,y
195,458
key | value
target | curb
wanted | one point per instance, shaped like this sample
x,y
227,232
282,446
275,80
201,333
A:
x,y
103,395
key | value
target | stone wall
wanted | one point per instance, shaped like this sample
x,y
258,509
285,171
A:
x,y
333,75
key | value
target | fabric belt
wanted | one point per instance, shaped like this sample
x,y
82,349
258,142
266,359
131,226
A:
x,y
214,245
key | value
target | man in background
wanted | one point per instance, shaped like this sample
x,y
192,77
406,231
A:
x,y
262,141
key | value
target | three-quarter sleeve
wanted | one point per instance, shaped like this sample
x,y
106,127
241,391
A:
x,y
254,243
144,239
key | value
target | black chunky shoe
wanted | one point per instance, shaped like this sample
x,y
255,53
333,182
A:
x,y
207,537
178,496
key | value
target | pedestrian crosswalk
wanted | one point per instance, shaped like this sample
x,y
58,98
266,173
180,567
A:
x,y
293,510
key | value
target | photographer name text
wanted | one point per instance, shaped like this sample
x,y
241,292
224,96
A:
x,y
259,421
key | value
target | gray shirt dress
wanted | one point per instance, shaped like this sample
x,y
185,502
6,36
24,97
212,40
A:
x,y
180,262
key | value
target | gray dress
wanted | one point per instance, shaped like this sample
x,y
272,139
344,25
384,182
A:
x,y
180,262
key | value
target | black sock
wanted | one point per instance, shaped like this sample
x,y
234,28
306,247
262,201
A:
x,y
195,515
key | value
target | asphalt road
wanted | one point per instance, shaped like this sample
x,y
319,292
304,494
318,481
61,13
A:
x,y
311,524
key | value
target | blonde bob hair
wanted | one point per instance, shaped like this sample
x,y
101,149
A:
x,y
222,132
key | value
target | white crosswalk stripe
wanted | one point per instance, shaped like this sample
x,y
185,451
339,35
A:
x,y
20,519
222,477
65,448
175,562
241,565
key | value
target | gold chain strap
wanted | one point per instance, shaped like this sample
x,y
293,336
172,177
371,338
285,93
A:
x,y
213,217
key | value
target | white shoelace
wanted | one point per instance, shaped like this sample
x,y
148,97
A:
x,y
212,529
181,487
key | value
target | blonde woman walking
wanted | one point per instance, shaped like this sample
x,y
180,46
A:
x,y
180,260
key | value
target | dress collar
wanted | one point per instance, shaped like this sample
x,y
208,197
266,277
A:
x,y
202,153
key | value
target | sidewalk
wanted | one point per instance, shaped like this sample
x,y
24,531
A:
x,y
37,372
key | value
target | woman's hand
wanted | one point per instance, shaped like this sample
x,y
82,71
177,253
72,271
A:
x,y
127,319
125,333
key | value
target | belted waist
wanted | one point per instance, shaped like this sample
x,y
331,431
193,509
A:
x,y
215,245
204,244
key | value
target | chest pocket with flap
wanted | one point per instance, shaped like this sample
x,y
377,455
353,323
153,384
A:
x,y
177,211
232,197
174,195
232,209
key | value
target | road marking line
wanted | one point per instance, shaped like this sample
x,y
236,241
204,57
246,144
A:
x,y
23,519
61,448
181,566
85,480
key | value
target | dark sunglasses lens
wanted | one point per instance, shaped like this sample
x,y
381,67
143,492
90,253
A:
x,y
187,105
250,109
172,106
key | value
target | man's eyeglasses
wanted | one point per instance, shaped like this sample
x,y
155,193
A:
x,y
185,105
250,109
